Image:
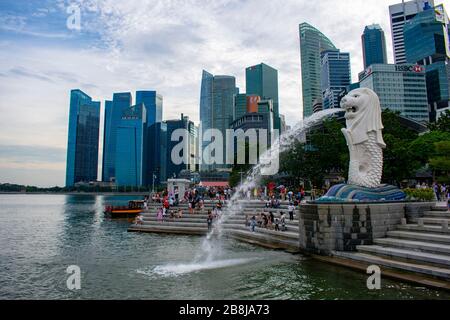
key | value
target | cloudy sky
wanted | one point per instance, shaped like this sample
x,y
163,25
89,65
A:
x,y
148,44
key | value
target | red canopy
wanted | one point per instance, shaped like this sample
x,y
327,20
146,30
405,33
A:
x,y
210,184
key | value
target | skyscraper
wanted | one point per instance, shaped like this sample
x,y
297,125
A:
x,y
216,110
173,169
121,102
374,45
399,14
131,147
262,80
400,88
83,135
335,76
427,43
153,104
312,43
157,153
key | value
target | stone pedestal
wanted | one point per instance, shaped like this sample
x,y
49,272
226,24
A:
x,y
327,227
177,184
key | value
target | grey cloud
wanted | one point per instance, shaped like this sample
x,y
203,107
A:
x,y
35,154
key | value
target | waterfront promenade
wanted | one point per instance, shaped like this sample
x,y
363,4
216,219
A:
x,y
413,248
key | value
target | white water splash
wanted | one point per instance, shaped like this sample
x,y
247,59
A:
x,y
174,270
211,249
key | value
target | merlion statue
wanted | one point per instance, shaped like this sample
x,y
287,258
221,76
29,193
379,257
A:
x,y
365,143
364,137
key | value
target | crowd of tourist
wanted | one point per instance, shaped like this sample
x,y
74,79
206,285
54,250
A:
x,y
267,221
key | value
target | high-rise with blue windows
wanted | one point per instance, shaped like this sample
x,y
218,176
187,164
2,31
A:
x,y
121,102
157,153
189,140
312,43
374,45
262,80
153,104
131,147
335,76
427,44
83,135
216,112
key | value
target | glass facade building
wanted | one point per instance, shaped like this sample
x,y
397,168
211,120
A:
x,y
83,139
335,76
400,88
312,43
374,45
131,142
427,43
262,80
157,153
216,110
173,170
153,104
121,102
240,105
400,14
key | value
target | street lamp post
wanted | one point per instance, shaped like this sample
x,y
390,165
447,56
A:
x,y
153,183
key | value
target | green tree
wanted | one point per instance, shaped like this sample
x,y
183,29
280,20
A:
x,y
443,123
440,163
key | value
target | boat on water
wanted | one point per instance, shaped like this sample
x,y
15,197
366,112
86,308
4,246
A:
x,y
134,208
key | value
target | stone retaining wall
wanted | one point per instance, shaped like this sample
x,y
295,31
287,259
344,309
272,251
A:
x,y
341,227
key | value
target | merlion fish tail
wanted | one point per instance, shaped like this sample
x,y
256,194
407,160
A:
x,y
375,152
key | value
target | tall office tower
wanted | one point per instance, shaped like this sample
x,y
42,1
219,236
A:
x,y
131,147
216,112
335,76
400,88
121,102
153,104
189,140
240,105
374,45
427,43
157,153
83,135
106,134
399,14
262,80
312,43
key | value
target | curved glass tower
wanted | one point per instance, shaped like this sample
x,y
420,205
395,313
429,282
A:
x,y
312,43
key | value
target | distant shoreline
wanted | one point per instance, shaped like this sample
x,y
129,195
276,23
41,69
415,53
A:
x,y
78,193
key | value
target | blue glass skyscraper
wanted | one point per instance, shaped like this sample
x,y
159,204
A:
x,y
121,102
374,45
131,147
427,43
335,76
153,104
83,135
262,80
216,110
312,43
157,153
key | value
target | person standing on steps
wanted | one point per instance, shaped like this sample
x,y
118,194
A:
x,y
253,223
291,209
209,220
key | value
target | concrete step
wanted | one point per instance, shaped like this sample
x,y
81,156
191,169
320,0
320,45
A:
x,y
432,220
435,271
417,256
437,248
420,236
168,229
264,240
437,213
425,228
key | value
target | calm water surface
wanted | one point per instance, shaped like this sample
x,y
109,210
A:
x,y
41,235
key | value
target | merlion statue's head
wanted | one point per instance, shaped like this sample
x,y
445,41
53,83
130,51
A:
x,y
363,115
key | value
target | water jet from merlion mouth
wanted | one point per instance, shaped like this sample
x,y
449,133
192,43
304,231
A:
x,y
211,245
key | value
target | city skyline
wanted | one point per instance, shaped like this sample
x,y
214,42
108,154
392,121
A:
x,y
49,60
